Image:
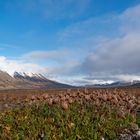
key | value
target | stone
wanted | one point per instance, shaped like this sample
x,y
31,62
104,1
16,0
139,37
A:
x,y
131,134
6,105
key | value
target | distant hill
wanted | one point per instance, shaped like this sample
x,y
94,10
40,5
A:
x,y
28,81
117,84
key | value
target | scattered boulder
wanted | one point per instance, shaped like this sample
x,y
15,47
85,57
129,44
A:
x,y
132,133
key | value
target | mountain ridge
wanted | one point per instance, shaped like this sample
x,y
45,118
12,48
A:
x,y
117,84
27,81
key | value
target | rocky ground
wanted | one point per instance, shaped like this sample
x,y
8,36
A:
x,y
127,99
132,133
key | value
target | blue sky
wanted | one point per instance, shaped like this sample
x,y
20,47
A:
x,y
73,41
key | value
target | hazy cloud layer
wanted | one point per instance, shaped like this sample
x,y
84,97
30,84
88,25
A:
x,y
53,54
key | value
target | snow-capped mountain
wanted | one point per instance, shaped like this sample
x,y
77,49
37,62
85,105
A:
x,y
30,76
117,84
22,80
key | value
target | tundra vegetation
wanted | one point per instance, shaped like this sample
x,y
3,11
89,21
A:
x,y
70,115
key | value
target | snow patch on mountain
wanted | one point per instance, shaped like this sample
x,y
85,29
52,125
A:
x,y
29,75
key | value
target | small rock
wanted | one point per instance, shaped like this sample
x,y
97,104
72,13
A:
x,y
132,134
125,137
102,138
134,128
138,133
6,105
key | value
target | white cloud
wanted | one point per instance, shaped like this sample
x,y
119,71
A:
x,y
117,55
130,19
11,66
